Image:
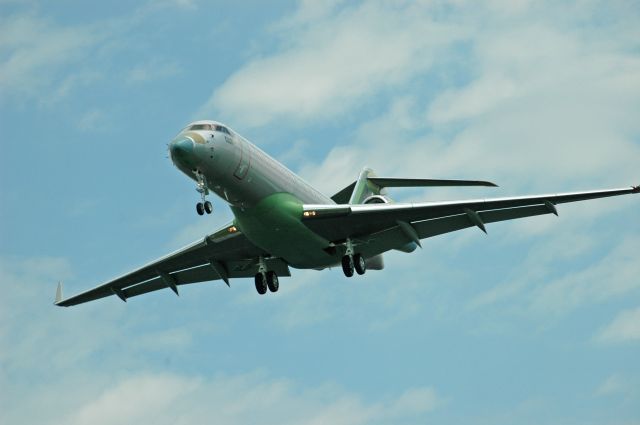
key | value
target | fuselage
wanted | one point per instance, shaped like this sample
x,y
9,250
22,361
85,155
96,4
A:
x,y
265,197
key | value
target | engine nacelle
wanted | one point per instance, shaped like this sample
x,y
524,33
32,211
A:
x,y
376,199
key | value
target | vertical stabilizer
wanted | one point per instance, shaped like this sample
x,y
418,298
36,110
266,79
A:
x,y
364,187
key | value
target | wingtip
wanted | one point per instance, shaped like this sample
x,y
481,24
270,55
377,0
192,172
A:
x,y
59,294
635,189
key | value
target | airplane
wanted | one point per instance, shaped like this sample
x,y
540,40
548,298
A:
x,y
282,222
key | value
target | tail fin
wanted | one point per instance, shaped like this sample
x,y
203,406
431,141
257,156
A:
x,y
368,185
364,187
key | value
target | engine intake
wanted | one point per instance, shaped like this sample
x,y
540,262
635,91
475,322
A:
x,y
376,199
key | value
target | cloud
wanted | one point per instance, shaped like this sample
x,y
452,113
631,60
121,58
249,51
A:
x,y
79,368
612,385
152,70
170,399
585,286
331,62
93,120
36,52
46,59
624,328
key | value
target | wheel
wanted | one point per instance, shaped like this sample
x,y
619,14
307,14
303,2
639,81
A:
x,y
208,207
261,284
272,281
359,263
200,208
347,265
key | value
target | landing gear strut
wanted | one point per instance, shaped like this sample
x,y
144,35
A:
x,y
266,279
353,262
204,206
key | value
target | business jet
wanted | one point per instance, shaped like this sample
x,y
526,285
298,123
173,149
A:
x,y
282,222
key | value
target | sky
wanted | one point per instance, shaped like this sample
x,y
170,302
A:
x,y
536,322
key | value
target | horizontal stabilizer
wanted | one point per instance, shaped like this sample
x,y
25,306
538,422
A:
x,y
393,182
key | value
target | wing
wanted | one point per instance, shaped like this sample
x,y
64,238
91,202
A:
x,y
225,254
377,228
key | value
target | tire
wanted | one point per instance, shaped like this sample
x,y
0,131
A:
x,y
347,265
200,208
272,281
261,284
360,264
208,208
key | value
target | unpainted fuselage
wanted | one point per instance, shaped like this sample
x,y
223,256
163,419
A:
x,y
266,198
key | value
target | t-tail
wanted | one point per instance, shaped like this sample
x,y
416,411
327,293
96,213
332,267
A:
x,y
370,189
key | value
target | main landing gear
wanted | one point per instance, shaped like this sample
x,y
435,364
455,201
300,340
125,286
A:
x,y
353,262
266,279
204,206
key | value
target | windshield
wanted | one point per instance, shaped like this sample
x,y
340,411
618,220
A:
x,y
210,127
200,127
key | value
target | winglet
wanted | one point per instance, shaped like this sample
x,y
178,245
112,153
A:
x,y
58,293
635,189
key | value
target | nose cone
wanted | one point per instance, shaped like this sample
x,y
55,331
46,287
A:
x,y
181,150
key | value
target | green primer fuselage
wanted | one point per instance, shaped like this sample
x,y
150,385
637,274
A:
x,y
265,197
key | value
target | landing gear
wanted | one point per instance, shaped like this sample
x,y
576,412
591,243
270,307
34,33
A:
x,y
204,206
272,281
267,280
261,283
208,208
347,265
360,264
352,262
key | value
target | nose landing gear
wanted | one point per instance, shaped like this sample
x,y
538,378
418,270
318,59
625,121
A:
x,y
204,207
201,188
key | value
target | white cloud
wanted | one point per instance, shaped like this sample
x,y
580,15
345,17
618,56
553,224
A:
x,y
624,328
612,385
45,59
330,63
559,110
36,50
86,373
170,399
612,276
93,120
152,70
548,284
164,398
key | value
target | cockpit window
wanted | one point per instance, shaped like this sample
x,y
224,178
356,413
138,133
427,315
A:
x,y
200,127
210,127
222,129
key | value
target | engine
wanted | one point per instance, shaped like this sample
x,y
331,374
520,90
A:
x,y
376,199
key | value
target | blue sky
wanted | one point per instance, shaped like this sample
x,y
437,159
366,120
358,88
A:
x,y
536,322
